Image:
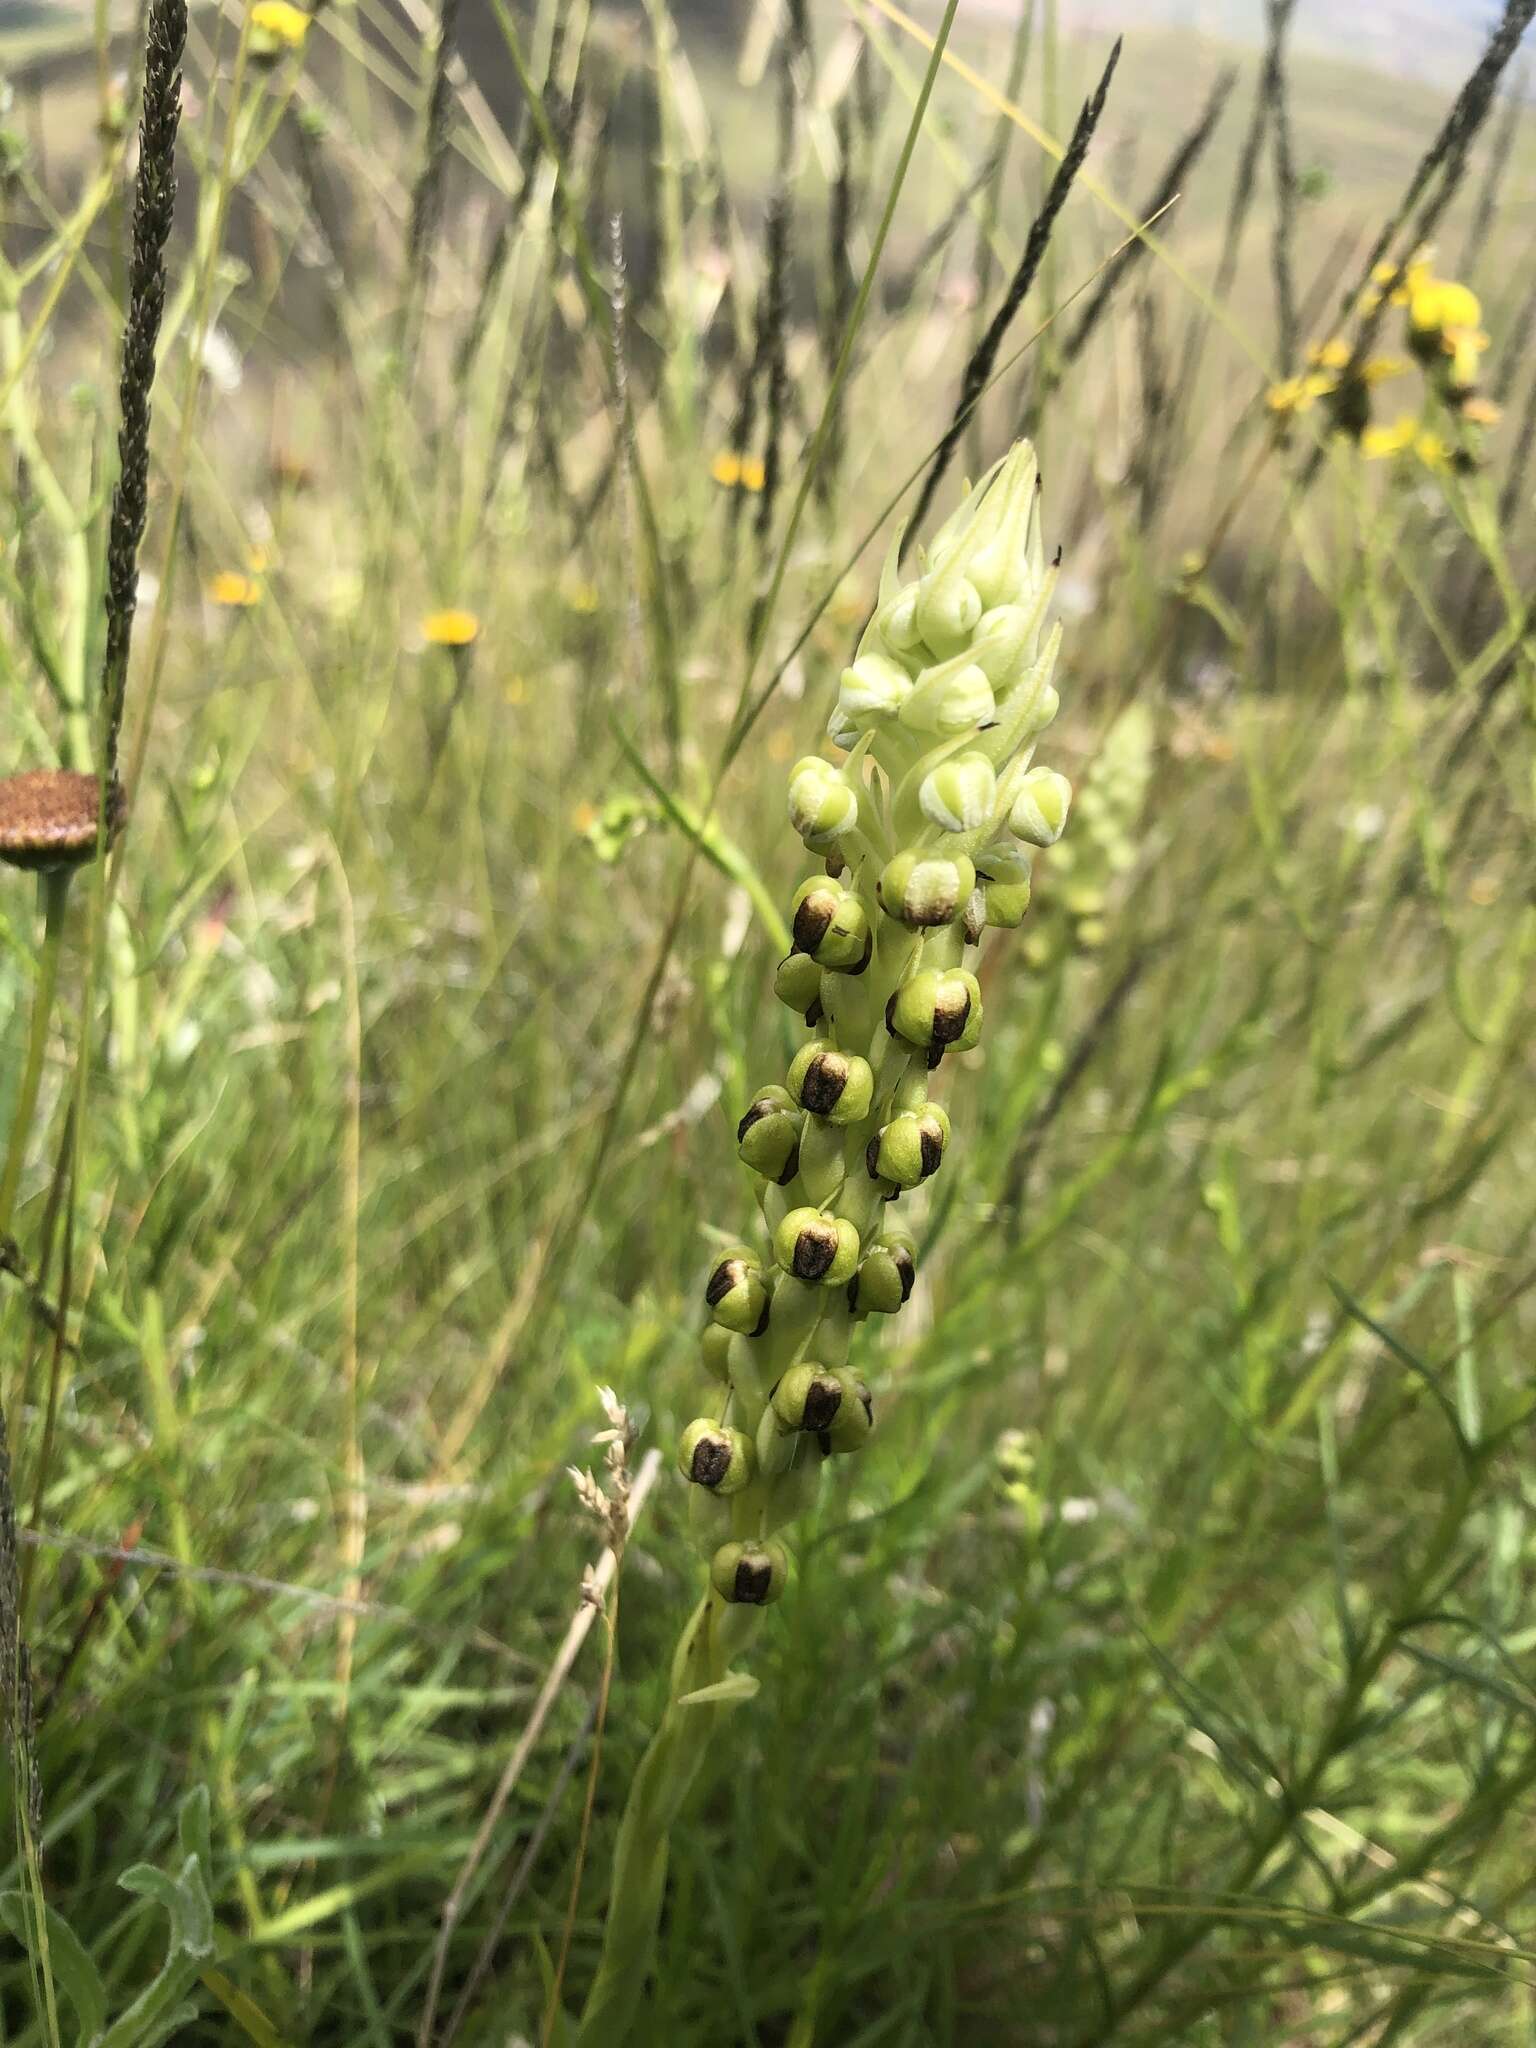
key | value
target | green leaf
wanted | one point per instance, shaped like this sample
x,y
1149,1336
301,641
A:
x,y
735,1687
67,1958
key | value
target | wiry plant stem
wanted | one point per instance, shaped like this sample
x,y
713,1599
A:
x,y
153,208
979,369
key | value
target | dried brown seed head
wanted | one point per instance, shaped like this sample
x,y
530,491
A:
x,y
48,817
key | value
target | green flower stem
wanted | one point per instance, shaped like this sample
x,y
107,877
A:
x,y
54,890
661,1784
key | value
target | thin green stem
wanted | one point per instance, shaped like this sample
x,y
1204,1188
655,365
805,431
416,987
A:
x,y
54,889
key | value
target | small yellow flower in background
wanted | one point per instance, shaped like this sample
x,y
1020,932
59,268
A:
x,y
1463,345
516,691
277,25
450,628
1437,304
1405,279
234,591
259,559
581,596
1432,450
1481,412
1295,394
1394,439
1329,355
737,472
584,817
1380,369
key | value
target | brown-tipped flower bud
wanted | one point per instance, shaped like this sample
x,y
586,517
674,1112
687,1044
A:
x,y
48,817
854,1421
735,1294
808,1397
797,983
720,1459
831,925
922,889
817,1247
839,1086
910,1147
768,1136
937,1010
884,1279
750,1574
715,1352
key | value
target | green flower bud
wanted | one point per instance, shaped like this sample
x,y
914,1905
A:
x,y
1039,813
735,1294
750,1574
896,621
925,888
948,606
817,1247
717,1458
1006,642
959,795
909,1148
768,1136
823,805
855,1420
937,1009
715,1352
797,983
837,1085
808,1397
1007,565
1003,873
874,688
884,1279
831,924
949,698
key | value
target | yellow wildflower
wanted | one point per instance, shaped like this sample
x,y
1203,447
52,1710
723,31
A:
x,y
1378,442
726,469
752,473
277,25
582,597
450,628
1481,412
1329,355
234,591
1431,450
584,816
1463,345
1295,394
1378,369
1405,279
1437,304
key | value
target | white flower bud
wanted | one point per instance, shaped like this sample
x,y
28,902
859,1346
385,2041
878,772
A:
x,y
951,697
822,804
874,687
1039,813
948,607
958,795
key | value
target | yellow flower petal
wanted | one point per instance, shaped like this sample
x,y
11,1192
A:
x,y
279,22
1378,442
233,590
450,628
